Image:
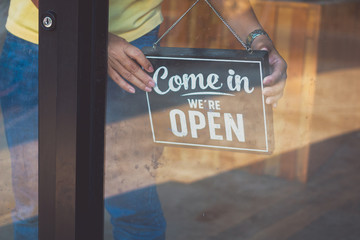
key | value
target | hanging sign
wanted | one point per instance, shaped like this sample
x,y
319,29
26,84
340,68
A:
x,y
210,98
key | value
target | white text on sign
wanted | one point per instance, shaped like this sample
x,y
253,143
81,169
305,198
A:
x,y
191,81
209,104
199,121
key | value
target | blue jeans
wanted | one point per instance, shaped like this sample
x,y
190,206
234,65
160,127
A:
x,y
135,214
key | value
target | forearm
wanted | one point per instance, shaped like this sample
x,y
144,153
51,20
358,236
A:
x,y
239,14
241,17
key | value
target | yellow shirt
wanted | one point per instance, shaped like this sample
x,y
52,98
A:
x,y
129,19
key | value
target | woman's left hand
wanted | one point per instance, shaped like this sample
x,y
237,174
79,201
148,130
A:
x,y
274,84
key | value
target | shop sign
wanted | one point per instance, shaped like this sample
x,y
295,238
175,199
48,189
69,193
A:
x,y
210,98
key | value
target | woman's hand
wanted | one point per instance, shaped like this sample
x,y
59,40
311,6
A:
x,y
127,64
275,82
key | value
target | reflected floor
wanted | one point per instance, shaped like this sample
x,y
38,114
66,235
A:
x,y
240,205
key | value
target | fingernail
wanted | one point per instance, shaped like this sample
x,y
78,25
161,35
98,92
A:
x,y
268,101
150,69
131,89
148,89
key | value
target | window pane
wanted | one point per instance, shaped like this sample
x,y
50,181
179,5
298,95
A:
x,y
191,166
19,121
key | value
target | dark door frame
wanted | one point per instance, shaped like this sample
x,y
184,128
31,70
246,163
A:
x,y
72,86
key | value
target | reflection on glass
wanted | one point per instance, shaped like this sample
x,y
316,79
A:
x,y
306,189
19,123
131,159
131,199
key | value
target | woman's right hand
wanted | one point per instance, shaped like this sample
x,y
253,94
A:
x,y
128,66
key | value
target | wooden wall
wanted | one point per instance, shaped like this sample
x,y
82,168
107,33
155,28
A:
x,y
339,36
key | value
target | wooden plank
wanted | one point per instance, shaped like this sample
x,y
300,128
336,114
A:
x,y
172,10
308,89
338,32
297,53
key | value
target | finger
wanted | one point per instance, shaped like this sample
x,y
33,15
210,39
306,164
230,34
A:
x,y
135,70
128,76
273,99
275,89
276,76
136,54
120,81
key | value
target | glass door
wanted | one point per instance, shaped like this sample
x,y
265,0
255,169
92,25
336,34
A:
x,y
193,148
52,89
170,171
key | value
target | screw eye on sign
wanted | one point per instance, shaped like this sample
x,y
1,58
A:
x,y
210,98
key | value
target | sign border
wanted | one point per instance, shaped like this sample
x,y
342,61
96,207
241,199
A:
x,y
213,146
